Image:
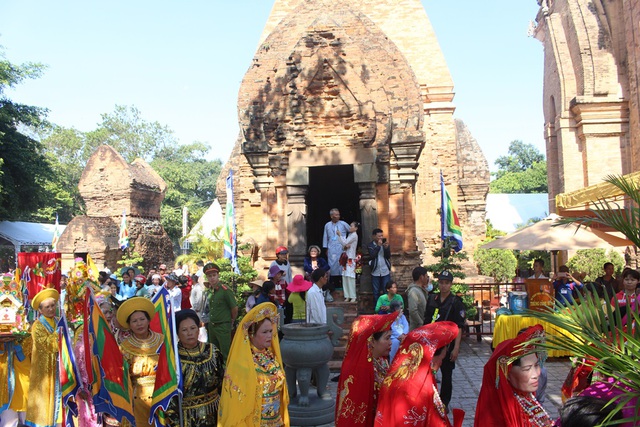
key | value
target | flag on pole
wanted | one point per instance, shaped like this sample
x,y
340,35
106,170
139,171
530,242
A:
x,y
229,233
107,369
69,374
56,235
123,241
450,222
168,374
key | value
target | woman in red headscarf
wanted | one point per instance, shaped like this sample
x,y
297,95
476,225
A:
x,y
365,366
409,395
509,384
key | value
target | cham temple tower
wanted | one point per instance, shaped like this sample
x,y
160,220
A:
x,y
348,104
591,97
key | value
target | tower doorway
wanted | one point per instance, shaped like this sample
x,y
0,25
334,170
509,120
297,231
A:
x,y
331,187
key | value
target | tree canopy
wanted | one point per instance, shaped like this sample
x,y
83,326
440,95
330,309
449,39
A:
x,y
24,169
523,170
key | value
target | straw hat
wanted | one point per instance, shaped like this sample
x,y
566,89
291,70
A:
x,y
134,304
256,282
44,295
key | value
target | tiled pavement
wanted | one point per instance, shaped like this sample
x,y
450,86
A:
x,y
467,378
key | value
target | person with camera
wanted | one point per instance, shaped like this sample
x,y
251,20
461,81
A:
x,y
566,286
380,262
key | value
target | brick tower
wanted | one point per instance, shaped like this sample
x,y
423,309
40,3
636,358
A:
x,y
348,104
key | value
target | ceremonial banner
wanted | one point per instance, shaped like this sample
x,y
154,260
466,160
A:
x,y
56,235
168,378
92,268
450,222
229,233
108,371
123,241
39,270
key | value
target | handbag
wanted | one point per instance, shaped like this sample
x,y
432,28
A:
x,y
343,259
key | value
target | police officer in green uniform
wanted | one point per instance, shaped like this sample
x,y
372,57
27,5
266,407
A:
x,y
441,307
223,311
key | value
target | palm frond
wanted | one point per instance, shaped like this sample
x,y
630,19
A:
x,y
594,331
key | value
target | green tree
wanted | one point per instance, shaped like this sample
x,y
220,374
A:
x,y
521,157
527,257
190,177
130,135
500,264
24,169
67,153
524,170
204,248
590,262
191,182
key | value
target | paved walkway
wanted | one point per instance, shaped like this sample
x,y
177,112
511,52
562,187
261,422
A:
x,y
467,378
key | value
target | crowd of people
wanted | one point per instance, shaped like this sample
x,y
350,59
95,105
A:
x,y
233,372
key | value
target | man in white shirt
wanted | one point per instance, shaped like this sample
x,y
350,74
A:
x,y
316,309
175,294
538,270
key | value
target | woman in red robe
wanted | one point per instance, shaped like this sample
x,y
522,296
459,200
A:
x,y
409,395
507,397
365,366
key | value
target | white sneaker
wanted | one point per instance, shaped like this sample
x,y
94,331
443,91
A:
x,y
328,297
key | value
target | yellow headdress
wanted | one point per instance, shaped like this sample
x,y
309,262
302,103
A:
x,y
44,295
134,304
241,397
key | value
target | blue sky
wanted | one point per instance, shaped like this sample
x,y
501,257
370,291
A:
x,y
181,63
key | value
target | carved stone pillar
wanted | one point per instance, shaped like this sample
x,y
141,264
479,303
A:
x,y
369,216
297,222
368,212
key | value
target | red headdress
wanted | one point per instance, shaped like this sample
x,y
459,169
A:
x,y
498,405
409,394
357,394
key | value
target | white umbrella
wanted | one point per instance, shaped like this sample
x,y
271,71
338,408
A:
x,y
543,236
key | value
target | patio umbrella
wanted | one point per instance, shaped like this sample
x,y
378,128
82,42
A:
x,y
543,236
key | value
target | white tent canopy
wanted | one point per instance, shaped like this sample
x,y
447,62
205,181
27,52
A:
x,y
211,220
27,233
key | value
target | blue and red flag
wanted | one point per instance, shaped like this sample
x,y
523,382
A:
x,y
168,374
451,229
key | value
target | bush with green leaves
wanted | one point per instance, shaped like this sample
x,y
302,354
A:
x,y
527,257
497,263
591,261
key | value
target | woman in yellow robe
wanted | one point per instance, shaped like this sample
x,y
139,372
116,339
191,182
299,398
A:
x,y
140,350
15,368
254,390
44,406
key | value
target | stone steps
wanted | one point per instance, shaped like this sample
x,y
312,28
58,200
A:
x,y
350,311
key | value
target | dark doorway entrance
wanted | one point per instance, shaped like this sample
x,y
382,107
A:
x,y
331,187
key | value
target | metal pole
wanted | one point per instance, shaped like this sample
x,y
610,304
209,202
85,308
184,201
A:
x,y
185,229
